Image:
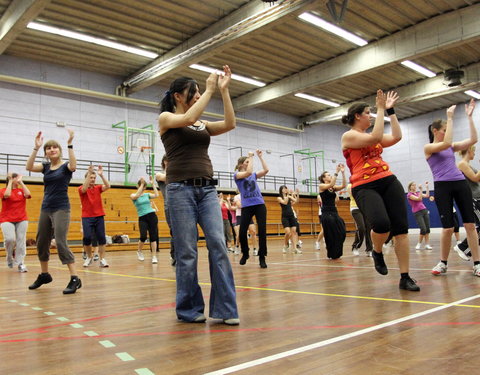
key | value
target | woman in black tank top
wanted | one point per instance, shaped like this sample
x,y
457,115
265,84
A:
x,y
285,199
333,225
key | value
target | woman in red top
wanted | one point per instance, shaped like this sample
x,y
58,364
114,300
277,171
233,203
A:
x,y
13,219
227,229
378,193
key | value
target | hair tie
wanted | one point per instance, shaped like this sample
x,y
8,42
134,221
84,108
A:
x,y
167,92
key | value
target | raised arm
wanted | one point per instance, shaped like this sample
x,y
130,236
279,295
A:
x,y
8,190
140,190
264,169
249,170
155,190
427,190
106,184
31,165
159,176
344,180
466,143
72,160
325,186
168,120
26,191
86,182
396,132
229,122
467,170
432,148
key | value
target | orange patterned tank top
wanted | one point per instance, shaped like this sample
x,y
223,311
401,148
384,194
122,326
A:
x,y
366,164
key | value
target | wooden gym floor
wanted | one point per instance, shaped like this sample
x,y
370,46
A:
x,y
305,314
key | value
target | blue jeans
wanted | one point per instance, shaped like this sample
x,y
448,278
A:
x,y
189,205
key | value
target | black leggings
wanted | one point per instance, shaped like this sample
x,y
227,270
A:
x,y
383,205
260,213
363,231
448,191
148,222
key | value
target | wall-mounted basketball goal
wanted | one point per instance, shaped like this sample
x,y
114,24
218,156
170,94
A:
x,y
139,146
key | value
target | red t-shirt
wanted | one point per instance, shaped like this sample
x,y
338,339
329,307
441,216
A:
x,y
366,164
13,207
224,211
91,201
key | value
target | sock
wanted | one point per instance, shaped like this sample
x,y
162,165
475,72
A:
x,y
404,275
476,262
444,262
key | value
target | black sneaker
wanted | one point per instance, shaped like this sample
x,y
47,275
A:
x,y
380,265
408,283
262,262
43,278
244,258
74,284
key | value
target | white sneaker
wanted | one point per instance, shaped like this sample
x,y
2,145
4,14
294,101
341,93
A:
x,y
439,269
299,243
237,251
459,242
461,253
419,245
22,268
154,260
255,251
289,242
298,251
476,270
355,252
87,262
368,253
317,245
103,263
428,247
285,249
140,256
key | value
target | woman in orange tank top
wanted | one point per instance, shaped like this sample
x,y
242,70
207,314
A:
x,y
378,193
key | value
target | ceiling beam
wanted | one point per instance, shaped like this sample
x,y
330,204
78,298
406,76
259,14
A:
x,y
440,32
425,89
16,18
220,35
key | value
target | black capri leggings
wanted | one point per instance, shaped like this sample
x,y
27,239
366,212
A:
x,y
148,222
383,204
423,220
445,193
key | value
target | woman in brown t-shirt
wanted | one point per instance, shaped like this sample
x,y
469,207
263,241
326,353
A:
x,y
191,191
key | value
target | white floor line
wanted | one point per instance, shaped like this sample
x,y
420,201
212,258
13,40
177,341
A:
x,y
333,340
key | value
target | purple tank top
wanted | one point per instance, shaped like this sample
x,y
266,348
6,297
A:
x,y
443,166
249,191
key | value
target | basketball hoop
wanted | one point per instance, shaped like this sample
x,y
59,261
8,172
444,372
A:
x,y
143,148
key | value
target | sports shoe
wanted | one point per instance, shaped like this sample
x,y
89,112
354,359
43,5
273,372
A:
x,y
428,247
140,255
476,270
43,278
299,243
95,257
22,268
103,263
255,251
10,261
84,255
317,245
419,245
439,268
263,264
200,319
380,265
355,252
297,251
285,249
237,250
232,321
230,249
10,264
154,260
173,261
87,262
243,260
74,284
409,284
461,253
368,253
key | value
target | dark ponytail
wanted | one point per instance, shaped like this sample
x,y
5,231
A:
x,y
179,85
355,108
437,124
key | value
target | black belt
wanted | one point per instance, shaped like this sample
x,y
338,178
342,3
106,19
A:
x,y
200,182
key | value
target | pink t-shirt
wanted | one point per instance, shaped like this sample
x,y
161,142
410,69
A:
x,y
416,205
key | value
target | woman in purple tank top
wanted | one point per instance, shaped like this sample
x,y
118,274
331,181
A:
x,y
450,184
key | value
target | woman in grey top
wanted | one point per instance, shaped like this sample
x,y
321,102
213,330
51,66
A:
x,y
473,179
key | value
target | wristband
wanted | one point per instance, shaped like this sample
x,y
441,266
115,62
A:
x,y
35,149
70,146
390,111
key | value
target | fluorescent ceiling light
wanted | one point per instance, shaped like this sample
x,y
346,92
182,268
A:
x,y
331,28
318,100
90,39
475,94
418,68
385,118
234,76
